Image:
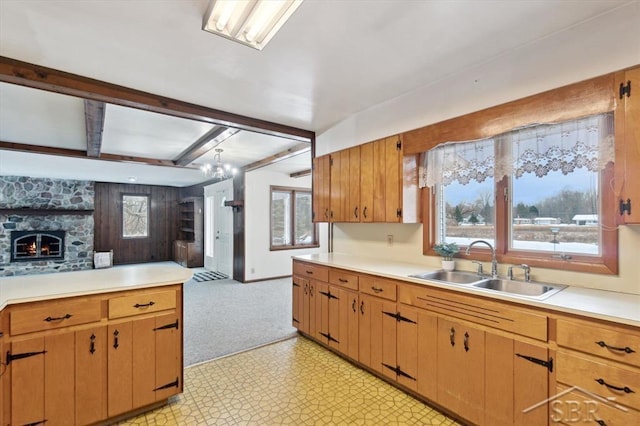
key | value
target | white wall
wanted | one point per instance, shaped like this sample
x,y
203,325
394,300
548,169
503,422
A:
x,y
607,43
260,263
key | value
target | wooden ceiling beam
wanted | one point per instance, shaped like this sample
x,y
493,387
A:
x,y
31,75
94,123
299,174
76,153
282,155
204,144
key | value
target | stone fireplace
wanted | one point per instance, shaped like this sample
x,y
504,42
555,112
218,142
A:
x,y
45,210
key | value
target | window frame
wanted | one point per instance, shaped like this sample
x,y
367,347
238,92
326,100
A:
x,y
293,245
122,227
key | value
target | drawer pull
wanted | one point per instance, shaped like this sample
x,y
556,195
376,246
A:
x,y
452,336
115,339
143,305
625,389
601,422
466,342
376,289
49,319
92,346
342,280
626,349
309,272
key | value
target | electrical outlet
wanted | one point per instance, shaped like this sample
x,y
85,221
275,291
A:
x,y
389,240
253,270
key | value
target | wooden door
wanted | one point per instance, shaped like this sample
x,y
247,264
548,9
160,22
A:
x,y
379,334
530,383
354,210
427,355
337,188
499,359
314,305
168,356
366,182
322,311
27,382
321,188
299,290
59,379
347,321
461,378
91,375
379,186
393,179
305,314
407,347
628,149
143,362
334,312
120,370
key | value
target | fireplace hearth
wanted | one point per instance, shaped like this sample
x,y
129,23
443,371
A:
x,y
29,246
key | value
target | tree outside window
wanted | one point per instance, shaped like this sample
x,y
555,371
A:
x,y
135,216
291,219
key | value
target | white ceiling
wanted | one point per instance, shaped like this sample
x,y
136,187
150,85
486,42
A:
x,y
331,60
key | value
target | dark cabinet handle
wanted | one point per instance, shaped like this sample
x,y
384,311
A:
x,y
355,212
353,305
115,339
624,389
601,422
376,289
49,319
342,280
466,342
309,272
92,345
310,290
144,305
362,307
326,213
452,336
364,212
306,289
626,349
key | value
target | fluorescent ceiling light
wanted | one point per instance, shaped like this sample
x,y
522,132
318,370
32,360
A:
x,y
250,22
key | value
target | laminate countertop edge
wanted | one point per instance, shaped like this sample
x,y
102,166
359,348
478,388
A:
x,y
622,308
39,287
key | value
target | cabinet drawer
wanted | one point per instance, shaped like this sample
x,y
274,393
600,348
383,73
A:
x,y
378,287
599,378
565,410
343,278
479,310
612,343
141,303
308,270
54,314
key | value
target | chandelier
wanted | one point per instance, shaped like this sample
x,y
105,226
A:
x,y
218,170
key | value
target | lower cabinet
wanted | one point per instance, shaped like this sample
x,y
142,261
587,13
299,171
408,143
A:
x,y
377,334
85,374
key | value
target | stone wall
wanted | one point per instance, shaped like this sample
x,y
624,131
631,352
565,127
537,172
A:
x,y
41,193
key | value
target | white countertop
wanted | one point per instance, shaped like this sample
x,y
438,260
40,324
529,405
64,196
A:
x,y
30,288
607,305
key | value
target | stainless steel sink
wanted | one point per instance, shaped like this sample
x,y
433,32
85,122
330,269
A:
x,y
450,277
520,288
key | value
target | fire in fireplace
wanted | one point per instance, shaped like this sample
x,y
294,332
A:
x,y
29,246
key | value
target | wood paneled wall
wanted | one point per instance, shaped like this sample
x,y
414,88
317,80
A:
x,y
163,223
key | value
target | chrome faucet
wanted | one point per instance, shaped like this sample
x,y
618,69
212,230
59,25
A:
x,y
494,262
527,272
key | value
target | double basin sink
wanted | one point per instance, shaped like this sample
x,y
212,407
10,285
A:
x,y
519,288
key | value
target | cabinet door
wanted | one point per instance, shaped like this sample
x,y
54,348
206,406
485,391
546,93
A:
x,y
120,370
393,179
628,149
321,188
379,186
91,375
347,321
377,334
59,378
530,383
407,347
366,182
314,305
168,356
322,312
27,382
337,187
297,306
354,211
427,355
461,378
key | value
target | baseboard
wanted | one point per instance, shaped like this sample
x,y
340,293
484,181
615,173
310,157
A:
x,y
266,279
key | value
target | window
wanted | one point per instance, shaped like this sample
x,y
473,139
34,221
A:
x,y
135,216
538,194
291,222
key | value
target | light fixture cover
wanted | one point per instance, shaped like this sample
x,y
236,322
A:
x,y
250,22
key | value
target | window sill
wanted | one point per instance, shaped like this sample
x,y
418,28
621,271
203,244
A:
x,y
296,247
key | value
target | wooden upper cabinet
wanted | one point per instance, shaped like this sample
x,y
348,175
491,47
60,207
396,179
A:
x,y
321,188
627,125
373,182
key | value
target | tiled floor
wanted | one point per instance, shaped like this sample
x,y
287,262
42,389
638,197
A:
x,y
294,382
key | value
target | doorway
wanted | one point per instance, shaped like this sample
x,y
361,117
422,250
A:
x,y
218,228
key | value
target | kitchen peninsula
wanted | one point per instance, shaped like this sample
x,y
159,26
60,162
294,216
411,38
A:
x,y
484,357
90,345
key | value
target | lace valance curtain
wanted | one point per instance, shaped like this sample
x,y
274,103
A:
x,y
539,149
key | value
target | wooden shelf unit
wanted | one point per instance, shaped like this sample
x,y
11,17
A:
x,y
188,249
